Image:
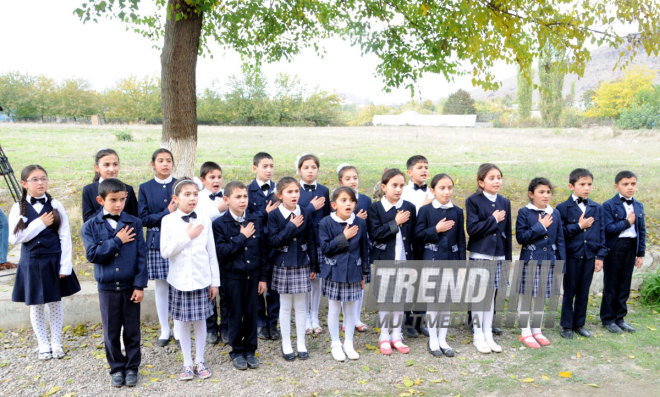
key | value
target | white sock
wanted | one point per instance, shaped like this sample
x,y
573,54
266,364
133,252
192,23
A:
x,y
55,316
396,331
433,331
333,319
161,292
38,320
286,304
315,302
384,330
487,325
524,331
478,329
442,338
349,320
308,309
200,339
300,313
183,329
358,310
538,330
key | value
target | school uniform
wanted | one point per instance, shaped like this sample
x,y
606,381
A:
x,y
207,204
243,266
539,244
625,243
363,204
344,262
583,247
153,199
416,194
294,248
389,240
45,254
119,270
90,206
260,193
307,193
448,245
193,265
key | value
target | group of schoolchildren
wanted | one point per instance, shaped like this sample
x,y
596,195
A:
x,y
269,249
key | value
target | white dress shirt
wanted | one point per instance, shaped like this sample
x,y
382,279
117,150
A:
x,y
37,226
399,249
193,263
337,219
261,183
630,232
417,197
111,222
580,205
163,181
207,207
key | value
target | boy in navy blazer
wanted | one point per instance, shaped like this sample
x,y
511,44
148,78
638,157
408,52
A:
x,y
115,245
584,234
625,238
241,254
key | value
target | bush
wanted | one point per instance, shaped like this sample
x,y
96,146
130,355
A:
x,y
649,290
572,118
124,136
644,116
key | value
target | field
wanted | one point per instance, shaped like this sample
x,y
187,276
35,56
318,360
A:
x,y
604,364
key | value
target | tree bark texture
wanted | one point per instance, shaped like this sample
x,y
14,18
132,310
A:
x,y
178,87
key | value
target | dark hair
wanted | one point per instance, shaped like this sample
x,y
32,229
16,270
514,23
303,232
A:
x,y
285,181
306,157
539,181
624,174
340,172
260,156
389,174
22,203
159,151
483,170
111,185
418,158
208,167
99,155
343,189
437,178
233,186
578,173
180,183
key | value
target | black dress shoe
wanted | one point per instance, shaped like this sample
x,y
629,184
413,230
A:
x,y
212,338
303,355
274,333
288,356
625,326
117,379
613,328
497,331
252,361
224,336
410,332
131,378
566,333
449,352
434,353
240,362
424,331
262,333
163,342
583,332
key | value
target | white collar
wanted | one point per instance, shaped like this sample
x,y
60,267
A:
x,y
574,198
437,204
548,209
165,181
180,213
491,197
101,179
28,197
388,206
627,198
236,217
261,183
339,220
357,195
286,213
207,191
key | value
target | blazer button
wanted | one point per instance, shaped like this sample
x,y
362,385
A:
x,y
117,254
545,237
404,238
585,241
545,248
246,248
117,288
494,234
294,239
582,257
164,186
585,230
247,261
117,283
493,205
165,200
116,269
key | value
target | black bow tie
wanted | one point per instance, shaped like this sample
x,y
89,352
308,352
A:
x,y
418,187
580,200
623,199
186,218
310,188
265,187
41,200
113,217
212,196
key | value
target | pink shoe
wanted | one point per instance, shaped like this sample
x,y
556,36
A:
x,y
400,347
529,341
542,340
362,328
385,347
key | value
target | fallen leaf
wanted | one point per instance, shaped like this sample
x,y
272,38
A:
x,y
578,355
52,391
528,380
149,365
436,381
565,374
363,381
68,327
370,347
512,376
418,382
407,382
545,377
365,368
463,373
316,372
409,362
651,328
592,385
148,344
431,370
631,357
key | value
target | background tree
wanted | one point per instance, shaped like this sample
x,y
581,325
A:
x,y
459,102
612,97
76,100
524,92
134,99
552,69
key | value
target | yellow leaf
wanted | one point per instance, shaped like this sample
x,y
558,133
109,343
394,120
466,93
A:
x,y
418,382
431,370
512,376
148,344
463,373
96,336
528,380
214,380
154,379
407,382
68,327
370,347
578,355
565,374
651,328
171,376
149,366
631,357
257,354
316,372
545,377
363,381
52,391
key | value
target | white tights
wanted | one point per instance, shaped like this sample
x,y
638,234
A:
x,y
161,292
358,310
182,329
38,320
312,303
397,320
438,335
485,329
297,303
349,321
528,331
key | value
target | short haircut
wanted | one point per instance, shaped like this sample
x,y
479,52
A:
x,y
180,183
208,167
578,173
539,181
343,189
284,182
232,187
111,185
623,175
437,178
260,156
418,158
306,157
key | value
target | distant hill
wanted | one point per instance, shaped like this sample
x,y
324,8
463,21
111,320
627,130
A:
x,y
600,68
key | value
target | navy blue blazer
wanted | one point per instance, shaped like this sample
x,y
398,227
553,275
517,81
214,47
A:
x,y
343,260
487,236
117,266
293,246
90,206
257,201
588,243
538,243
383,230
363,203
307,196
449,245
153,198
239,257
616,222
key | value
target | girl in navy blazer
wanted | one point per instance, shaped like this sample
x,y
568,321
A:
x,y
539,231
292,238
106,165
345,263
439,230
391,222
348,176
488,223
316,196
154,202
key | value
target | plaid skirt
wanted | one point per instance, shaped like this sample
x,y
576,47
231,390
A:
x,y
344,292
291,280
157,266
190,305
537,276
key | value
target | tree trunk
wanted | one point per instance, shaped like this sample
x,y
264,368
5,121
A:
x,y
178,87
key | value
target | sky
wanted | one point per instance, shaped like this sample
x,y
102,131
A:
x,y
45,37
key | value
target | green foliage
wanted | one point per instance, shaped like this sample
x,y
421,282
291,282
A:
x,y
639,116
459,102
649,290
135,100
552,68
124,136
613,97
573,118
365,114
524,94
